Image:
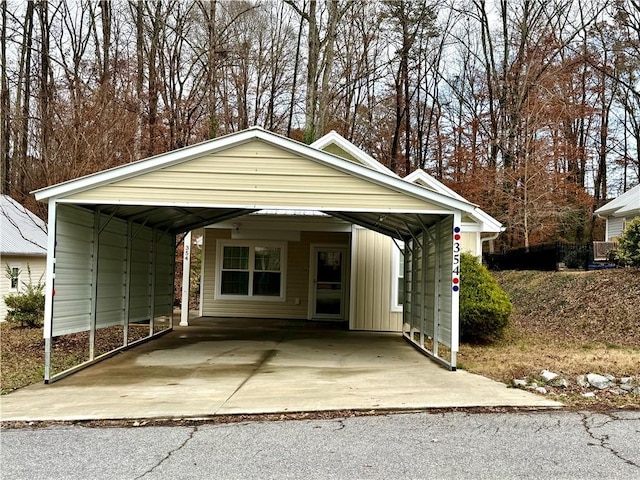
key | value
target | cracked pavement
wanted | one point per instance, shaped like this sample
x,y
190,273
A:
x,y
408,445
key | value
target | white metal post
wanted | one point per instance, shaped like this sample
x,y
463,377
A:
x,y
152,311
436,288
455,286
414,281
186,280
94,284
423,281
49,288
127,286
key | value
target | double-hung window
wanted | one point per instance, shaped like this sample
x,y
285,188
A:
x,y
14,277
251,270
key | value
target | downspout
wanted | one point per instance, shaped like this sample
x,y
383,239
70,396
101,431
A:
x,y
489,238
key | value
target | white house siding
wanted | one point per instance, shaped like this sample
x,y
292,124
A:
x,y
37,264
615,225
297,278
469,242
372,271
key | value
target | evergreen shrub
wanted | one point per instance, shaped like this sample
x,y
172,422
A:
x,y
26,307
628,251
484,306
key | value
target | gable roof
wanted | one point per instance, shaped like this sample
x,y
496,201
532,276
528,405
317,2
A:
x,y
627,204
335,143
420,177
21,232
154,187
345,149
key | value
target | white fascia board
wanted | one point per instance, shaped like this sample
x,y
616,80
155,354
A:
x,y
490,223
337,139
624,201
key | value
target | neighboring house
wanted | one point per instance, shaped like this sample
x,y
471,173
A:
x,y
290,231
23,247
618,212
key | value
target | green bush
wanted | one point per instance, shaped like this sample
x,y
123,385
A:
x,y
628,251
576,258
484,306
26,307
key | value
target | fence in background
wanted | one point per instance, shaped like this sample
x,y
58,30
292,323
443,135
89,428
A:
x,y
545,257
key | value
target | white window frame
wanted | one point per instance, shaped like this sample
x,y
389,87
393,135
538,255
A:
x,y
11,268
251,244
395,274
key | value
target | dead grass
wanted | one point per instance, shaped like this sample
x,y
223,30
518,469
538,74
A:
x,y
571,324
22,351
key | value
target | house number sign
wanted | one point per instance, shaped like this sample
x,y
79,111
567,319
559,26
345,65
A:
x,y
455,278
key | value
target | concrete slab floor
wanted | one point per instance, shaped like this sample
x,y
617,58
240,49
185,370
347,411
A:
x,y
247,366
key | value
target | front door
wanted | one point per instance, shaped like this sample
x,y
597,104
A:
x,y
328,283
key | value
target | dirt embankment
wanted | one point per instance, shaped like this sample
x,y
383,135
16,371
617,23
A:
x,y
584,307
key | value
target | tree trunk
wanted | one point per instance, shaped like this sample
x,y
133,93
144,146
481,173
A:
x,y
5,121
311,98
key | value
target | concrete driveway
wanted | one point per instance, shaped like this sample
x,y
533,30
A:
x,y
241,366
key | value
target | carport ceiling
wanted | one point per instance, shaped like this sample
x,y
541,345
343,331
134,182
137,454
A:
x,y
179,219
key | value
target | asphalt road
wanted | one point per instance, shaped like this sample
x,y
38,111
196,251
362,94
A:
x,y
417,445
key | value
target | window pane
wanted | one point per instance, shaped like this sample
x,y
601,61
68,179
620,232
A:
x,y
235,258
266,283
401,265
234,283
15,273
267,258
400,291
329,267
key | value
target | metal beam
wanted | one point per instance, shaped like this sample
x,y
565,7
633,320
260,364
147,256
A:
x,y
217,219
365,223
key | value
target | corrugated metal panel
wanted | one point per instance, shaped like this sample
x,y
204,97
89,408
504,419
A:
x,y
74,277
256,174
140,292
372,265
112,272
297,285
73,270
446,267
431,278
164,269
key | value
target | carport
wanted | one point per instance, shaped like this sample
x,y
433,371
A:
x,y
112,235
